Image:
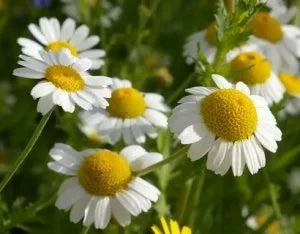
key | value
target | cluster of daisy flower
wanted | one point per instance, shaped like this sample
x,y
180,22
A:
x,y
231,123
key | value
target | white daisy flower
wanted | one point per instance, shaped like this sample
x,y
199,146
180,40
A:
x,y
206,40
65,81
52,36
280,11
103,183
131,115
248,64
279,43
229,124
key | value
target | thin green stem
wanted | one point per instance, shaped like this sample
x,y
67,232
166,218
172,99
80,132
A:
x,y
85,230
275,204
181,152
176,94
27,150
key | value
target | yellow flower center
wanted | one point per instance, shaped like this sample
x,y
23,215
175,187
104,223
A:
x,y
229,114
65,78
104,173
211,34
291,83
126,103
266,27
251,68
59,45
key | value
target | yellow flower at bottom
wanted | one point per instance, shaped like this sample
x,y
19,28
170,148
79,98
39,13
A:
x,y
172,228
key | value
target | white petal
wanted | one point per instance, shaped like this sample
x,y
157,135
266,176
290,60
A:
x,y
132,152
102,212
77,211
79,35
198,149
157,118
42,89
70,196
120,213
144,188
28,73
82,64
145,161
221,82
37,34
65,57
45,104
88,43
129,202
59,168
67,29
89,212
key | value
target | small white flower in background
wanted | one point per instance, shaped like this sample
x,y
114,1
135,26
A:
x,y
206,40
229,124
280,11
249,65
111,13
103,184
65,81
279,43
53,36
294,180
291,83
131,115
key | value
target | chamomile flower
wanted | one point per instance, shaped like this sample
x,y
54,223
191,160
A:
x,y
171,228
229,124
131,115
291,83
103,184
249,65
206,40
280,11
52,36
65,81
279,43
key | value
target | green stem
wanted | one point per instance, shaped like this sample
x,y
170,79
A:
x,y
180,89
27,150
275,204
85,230
175,156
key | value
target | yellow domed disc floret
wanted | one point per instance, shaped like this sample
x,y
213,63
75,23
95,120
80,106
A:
x,y
229,114
126,103
251,68
291,83
59,45
266,27
104,173
211,34
65,78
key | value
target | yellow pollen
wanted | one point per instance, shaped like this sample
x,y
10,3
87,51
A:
x,y
291,83
104,173
211,34
126,103
59,45
65,78
251,68
229,114
266,27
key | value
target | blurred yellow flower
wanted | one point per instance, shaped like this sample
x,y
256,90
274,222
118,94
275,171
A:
x,y
163,75
172,228
273,228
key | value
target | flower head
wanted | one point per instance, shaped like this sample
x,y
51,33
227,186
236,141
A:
x,y
229,124
65,81
206,39
279,43
171,228
291,83
103,184
53,36
130,115
249,65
